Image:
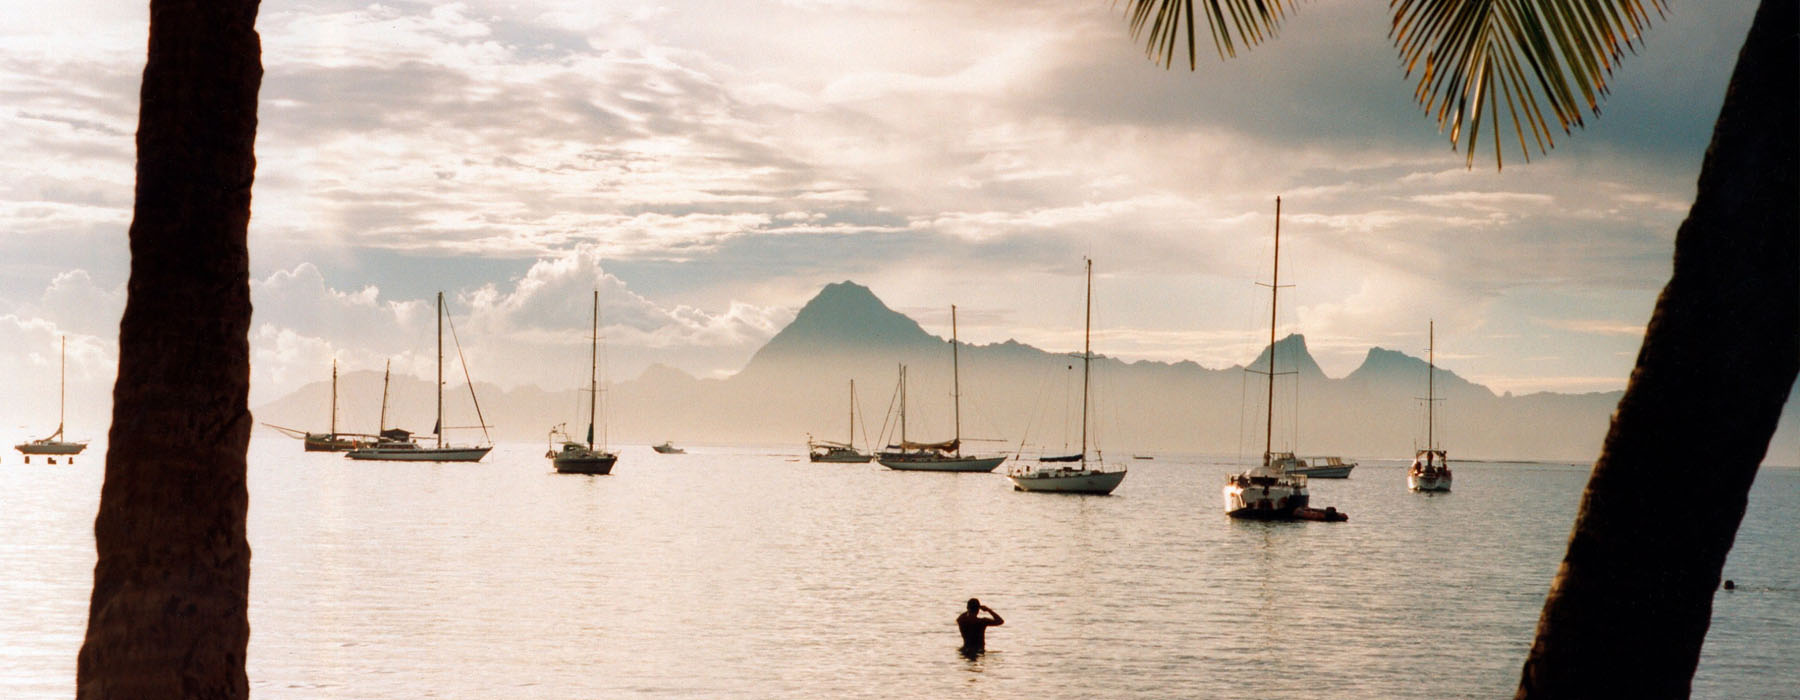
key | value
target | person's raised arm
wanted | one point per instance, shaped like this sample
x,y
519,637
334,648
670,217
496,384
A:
x,y
997,621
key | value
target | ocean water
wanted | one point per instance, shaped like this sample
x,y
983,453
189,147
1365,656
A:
x,y
746,573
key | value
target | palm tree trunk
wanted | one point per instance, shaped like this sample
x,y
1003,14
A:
x,y
1629,608
168,614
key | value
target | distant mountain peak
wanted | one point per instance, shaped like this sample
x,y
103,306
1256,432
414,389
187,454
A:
x,y
1382,364
843,316
1291,355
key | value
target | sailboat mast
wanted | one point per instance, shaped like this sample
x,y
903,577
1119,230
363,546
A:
x,y
902,408
437,428
334,397
1087,357
955,382
1274,292
594,372
387,372
852,438
1430,385
62,388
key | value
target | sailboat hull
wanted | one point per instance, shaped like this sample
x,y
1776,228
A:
x,y
50,447
935,463
1068,480
1275,501
316,442
1421,482
598,463
419,454
851,458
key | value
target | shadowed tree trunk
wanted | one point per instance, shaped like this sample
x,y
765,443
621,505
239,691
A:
x,y
168,614
1630,605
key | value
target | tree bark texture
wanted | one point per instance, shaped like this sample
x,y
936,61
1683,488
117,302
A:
x,y
1630,605
168,617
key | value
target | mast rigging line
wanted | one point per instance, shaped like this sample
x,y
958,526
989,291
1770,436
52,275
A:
x,y
465,368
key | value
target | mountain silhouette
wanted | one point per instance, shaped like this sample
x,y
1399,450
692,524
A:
x,y
1291,355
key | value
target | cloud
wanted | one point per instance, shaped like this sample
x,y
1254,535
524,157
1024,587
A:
x,y
728,158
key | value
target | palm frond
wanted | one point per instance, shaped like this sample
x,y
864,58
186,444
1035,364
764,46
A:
x,y
1166,25
1545,59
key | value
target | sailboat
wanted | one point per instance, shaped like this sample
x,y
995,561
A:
x,y
408,450
1272,490
936,456
1430,470
839,452
54,444
575,457
331,441
1055,474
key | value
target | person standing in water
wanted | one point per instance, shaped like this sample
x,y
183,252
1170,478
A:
x,y
974,627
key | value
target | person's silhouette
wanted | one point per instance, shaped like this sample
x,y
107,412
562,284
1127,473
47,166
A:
x,y
974,627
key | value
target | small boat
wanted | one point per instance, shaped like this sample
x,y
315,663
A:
x,y
1430,470
838,452
585,458
668,449
1323,467
54,444
399,446
1271,490
1072,473
944,456
1142,457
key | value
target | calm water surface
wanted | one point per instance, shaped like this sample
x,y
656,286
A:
x,y
743,573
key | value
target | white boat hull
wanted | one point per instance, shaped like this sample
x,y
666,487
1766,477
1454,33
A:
x,y
50,447
419,454
1274,501
1066,480
1419,482
940,464
1341,471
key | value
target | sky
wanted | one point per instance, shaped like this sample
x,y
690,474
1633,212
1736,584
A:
x,y
709,166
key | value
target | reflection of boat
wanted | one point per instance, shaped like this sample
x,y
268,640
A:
x,y
576,457
1272,490
1055,474
1430,470
54,444
936,456
668,449
841,452
398,445
1322,467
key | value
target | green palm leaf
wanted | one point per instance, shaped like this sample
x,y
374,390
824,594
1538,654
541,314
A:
x,y
1545,61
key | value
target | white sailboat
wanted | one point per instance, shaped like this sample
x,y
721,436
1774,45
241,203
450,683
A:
x,y
1430,470
838,452
936,456
54,444
1272,490
1073,473
576,457
398,445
